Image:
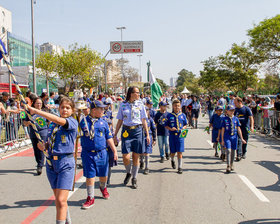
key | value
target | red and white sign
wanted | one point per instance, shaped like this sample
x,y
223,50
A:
x,y
126,47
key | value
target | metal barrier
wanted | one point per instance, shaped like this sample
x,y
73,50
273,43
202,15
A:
x,y
13,134
268,125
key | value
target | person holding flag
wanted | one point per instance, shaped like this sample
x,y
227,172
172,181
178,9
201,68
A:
x,y
42,127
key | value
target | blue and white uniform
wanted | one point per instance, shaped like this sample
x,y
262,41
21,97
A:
x,y
61,141
178,121
132,132
230,135
216,122
94,155
152,133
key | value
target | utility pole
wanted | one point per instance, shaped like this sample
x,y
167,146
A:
x,y
140,73
33,46
121,29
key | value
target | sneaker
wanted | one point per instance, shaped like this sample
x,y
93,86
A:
x,y
161,159
141,165
180,170
88,204
228,169
238,158
127,178
167,156
146,171
216,155
134,183
39,170
105,193
231,167
244,156
173,164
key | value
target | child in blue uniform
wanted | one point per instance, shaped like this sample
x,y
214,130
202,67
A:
x,y
230,129
149,104
175,122
108,116
162,132
216,124
60,164
96,136
148,147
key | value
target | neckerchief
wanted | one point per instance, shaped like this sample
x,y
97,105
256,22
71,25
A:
x,y
52,138
93,121
231,125
177,120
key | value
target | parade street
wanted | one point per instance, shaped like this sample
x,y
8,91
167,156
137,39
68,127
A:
x,y
204,193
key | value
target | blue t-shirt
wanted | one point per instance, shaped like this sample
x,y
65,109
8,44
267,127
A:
x,y
101,134
160,119
176,120
64,138
216,121
41,124
243,114
152,113
108,116
230,126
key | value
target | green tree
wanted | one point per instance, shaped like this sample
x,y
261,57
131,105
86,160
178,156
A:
x,y
187,79
265,39
78,66
240,67
47,64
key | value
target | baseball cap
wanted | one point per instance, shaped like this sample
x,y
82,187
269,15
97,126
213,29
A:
x,y
230,107
162,103
219,108
96,104
149,102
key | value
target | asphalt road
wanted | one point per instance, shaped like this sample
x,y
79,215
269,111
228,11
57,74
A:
x,y
204,193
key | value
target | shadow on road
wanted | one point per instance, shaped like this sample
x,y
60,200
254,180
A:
x,y
23,171
28,204
261,221
271,166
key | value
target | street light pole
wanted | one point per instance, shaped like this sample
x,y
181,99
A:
x,y
121,29
33,47
140,73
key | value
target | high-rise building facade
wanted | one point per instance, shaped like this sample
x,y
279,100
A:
x,y
49,47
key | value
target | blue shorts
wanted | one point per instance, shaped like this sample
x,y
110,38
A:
x,y
176,144
149,148
61,174
95,163
133,140
215,133
231,143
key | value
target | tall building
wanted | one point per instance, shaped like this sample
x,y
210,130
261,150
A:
x,y
49,47
5,26
173,82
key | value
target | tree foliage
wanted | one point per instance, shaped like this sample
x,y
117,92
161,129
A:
x,y
162,84
187,79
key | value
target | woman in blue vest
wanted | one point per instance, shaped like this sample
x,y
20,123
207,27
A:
x,y
132,116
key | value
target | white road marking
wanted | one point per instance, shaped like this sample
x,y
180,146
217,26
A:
x,y
210,143
78,184
251,186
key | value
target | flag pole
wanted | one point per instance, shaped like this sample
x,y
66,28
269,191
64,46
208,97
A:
x,y
148,71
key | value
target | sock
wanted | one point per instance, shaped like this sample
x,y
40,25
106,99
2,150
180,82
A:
x,y
90,191
68,218
135,171
109,175
102,185
146,162
195,123
172,158
128,168
141,159
180,162
60,221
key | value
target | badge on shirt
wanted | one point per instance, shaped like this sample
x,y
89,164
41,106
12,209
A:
x,y
125,134
63,138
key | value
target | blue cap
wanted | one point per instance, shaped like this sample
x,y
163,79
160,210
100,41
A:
x,y
219,108
96,104
162,103
230,107
149,102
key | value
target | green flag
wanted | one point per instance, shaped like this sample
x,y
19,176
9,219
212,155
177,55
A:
x,y
156,92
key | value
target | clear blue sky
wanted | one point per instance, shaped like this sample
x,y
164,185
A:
x,y
177,34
